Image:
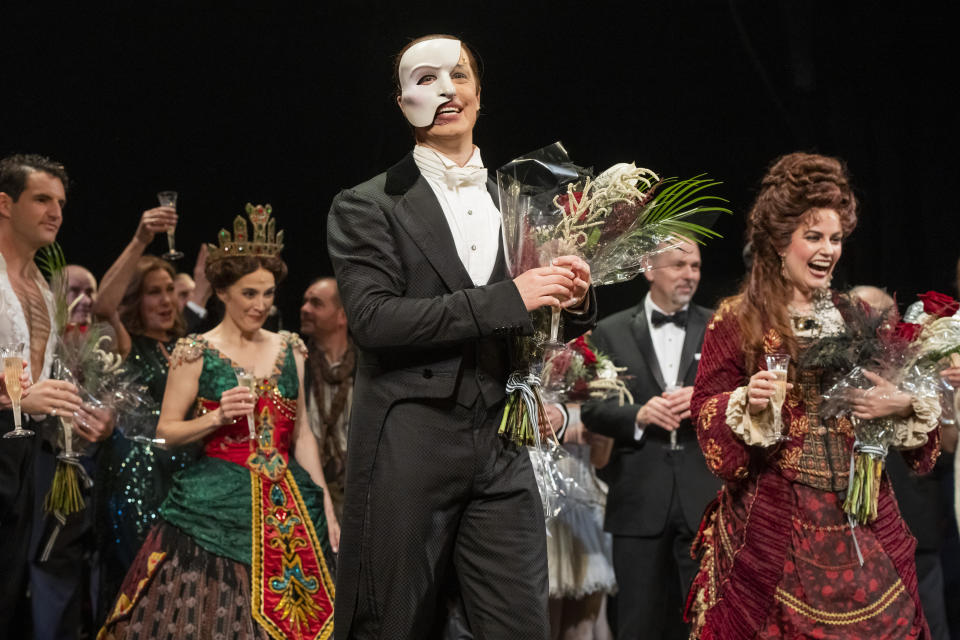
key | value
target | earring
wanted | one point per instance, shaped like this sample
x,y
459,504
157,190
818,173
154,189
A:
x,y
783,267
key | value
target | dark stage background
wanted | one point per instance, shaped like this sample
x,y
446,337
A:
x,y
288,105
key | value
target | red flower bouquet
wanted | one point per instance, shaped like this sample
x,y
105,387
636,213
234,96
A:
x,y
938,304
579,372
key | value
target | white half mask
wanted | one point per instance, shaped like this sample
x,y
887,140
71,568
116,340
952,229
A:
x,y
435,57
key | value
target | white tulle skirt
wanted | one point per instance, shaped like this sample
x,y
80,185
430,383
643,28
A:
x,y
579,552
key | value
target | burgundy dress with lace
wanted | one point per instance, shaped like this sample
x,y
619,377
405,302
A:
x,y
777,555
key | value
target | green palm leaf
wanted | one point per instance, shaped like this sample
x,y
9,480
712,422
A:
x,y
53,263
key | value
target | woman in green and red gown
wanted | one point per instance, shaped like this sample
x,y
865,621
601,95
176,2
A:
x,y
243,546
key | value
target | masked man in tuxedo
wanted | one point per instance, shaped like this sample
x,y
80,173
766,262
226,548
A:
x,y
659,481
432,493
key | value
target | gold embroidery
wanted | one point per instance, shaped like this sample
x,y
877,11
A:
x,y
713,453
706,594
708,412
295,342
790,457
125,602
845,426
849,617
772,341
187,350
296,588
793,398
799,427
828,527
725,307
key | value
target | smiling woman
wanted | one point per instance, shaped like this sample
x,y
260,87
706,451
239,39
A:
x,y
778,557
255,503
134,476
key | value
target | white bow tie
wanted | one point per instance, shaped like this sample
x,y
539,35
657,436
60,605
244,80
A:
x,y
465,176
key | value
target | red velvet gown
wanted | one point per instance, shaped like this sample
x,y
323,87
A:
x,y
777,557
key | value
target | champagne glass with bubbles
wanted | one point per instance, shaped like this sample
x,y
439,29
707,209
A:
x,y
778,364
169,199
246,379
674,445
60,371
12,370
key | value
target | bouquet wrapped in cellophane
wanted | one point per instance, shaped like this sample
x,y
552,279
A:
x,y
86,357
906,356
615,221
579,372
575,373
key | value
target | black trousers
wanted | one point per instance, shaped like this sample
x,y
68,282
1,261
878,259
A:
x,y
17,457
450,499
653,577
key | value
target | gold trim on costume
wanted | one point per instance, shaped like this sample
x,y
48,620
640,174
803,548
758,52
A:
x,y
849,617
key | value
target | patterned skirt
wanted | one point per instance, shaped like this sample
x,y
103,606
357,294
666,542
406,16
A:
x,y
822,592
183,592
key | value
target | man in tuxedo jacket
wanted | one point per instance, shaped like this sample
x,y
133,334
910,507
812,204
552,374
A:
x,y
433,494
657,491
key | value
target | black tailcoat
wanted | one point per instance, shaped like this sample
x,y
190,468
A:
x,y
425,335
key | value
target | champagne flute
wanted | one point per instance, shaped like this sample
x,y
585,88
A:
x,y
249,381
12,370
61,372
674,445
169,199
778,363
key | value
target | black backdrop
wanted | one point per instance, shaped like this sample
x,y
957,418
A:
x,y
288,104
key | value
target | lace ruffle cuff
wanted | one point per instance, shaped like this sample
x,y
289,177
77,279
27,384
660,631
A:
x,y
754,430
911,432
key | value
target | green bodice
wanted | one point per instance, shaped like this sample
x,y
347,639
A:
x,y
218,374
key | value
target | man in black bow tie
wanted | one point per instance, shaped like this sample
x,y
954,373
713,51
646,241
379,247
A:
x,y
659,481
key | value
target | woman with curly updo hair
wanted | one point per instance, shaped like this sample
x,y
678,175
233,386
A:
x,y
778,558
243,542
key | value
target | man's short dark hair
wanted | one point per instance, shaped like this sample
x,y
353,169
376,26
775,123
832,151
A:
x,y
15,169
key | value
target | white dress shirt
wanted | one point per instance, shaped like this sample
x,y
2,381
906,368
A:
x,y
668,345
473,219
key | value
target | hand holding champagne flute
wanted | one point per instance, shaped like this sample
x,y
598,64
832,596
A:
x,y
12,372
169,199
778,364
247,380
674,445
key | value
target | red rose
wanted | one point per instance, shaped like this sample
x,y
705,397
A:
x,y
579,392
938,304
565,204
559,364
907,331
581,345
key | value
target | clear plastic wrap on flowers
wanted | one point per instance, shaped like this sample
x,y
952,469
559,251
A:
x,y
87,358
906,356
615,221
578,372
561,480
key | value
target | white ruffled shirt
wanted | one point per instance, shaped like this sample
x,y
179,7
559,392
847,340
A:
x,y
13,322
